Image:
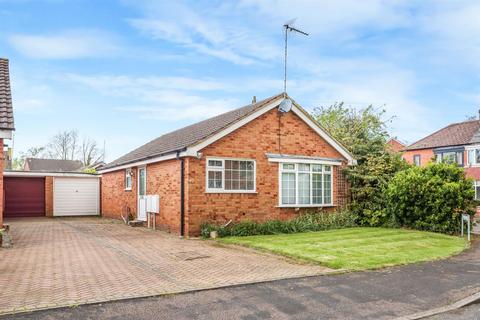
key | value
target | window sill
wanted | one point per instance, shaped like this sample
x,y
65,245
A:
x,y
128,189
305,205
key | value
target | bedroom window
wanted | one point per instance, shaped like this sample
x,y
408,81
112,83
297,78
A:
x,y
305,185
128,179
230,175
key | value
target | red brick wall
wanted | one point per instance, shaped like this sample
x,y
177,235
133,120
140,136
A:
x,y
115,200
2,204
394,145
252,141
49,196
426,155
163,178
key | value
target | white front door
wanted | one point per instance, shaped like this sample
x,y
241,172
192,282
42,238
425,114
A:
x,y
142,194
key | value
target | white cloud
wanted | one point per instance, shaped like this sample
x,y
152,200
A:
x,y
67,45
205,33
176,106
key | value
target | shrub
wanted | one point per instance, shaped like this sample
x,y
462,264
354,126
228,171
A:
x,y
430,198
303,223
368,183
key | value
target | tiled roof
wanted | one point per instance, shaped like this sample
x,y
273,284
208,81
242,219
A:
x,y
6,111
185,137
456,134
53,165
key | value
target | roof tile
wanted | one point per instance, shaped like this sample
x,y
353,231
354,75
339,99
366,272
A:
x,y
187,136
6,110
456,134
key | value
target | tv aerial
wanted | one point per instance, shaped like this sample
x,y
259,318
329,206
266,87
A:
x,y
286,104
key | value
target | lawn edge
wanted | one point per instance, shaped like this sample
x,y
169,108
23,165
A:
x,y
300,260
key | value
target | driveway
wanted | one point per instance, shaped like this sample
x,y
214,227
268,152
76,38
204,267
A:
x,y
382,294
72,261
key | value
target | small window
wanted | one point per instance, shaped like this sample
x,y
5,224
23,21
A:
x,y
417,160
460,158
128,179
476,185
471,157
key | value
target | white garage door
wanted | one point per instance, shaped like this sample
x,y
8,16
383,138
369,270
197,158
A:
x,y
76,196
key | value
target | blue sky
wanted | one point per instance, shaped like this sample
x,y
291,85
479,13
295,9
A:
x,y
125,72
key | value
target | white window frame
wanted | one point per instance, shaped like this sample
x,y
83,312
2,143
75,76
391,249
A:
x,y
295,170
419,157
127,173
474,149
476,184
222,169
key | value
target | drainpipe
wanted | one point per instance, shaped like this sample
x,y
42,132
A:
x,y
182,195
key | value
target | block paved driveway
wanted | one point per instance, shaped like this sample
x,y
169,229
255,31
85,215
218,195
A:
x,y
71,261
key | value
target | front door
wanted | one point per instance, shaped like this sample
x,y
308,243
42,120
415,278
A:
x,y
142,194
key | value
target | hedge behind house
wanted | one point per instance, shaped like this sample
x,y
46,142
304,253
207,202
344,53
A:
x,y
430,198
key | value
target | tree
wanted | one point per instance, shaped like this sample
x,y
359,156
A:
x,y
363,132
64,145
33,152
90,153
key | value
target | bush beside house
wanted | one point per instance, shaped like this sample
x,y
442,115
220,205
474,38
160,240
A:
x,y
430,198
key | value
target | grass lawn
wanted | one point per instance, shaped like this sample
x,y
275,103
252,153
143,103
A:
x,y
357,248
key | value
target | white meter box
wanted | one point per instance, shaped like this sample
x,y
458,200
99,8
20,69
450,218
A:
x,y
153,203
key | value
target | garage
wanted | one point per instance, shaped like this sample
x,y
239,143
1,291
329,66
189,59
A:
x,y
75,196
38,194
24,197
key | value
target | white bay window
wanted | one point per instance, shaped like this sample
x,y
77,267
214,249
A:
x,y
305,184
230,175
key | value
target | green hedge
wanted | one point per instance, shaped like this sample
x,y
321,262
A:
x,y
303,223
429,198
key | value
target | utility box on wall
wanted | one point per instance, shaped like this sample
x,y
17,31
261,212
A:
x,y
153,203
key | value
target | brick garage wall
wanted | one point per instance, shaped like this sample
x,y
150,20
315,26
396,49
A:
x,y
252,141
49,196
426,155
114,198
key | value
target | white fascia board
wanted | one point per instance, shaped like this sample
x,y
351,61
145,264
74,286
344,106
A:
x,y
144,162
5,134
303,160
323,134
48,174
193,150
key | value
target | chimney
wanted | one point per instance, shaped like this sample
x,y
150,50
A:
x,y
254,100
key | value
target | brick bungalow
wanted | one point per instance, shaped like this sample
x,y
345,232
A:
x,y
254,163
456,143
6,121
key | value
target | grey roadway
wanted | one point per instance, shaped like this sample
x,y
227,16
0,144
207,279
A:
x,y
382,294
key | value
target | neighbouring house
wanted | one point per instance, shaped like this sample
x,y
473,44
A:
x,y
52,165
456,143
253,163
394,145
6,122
